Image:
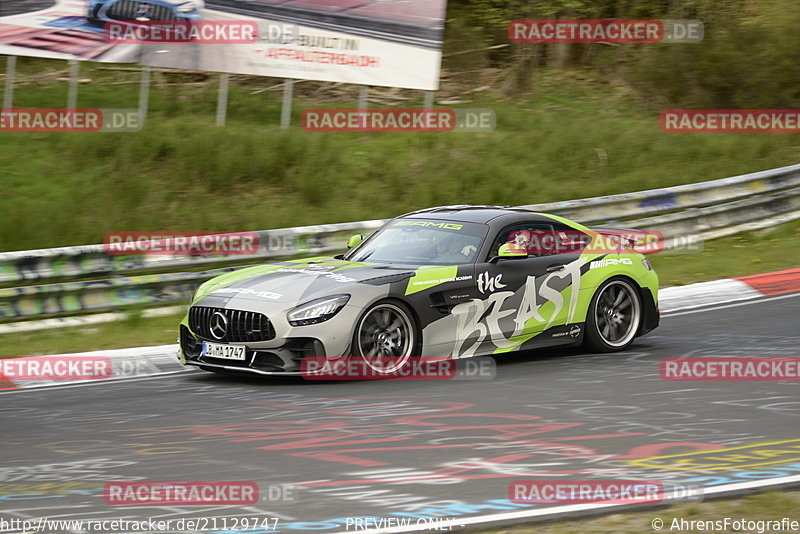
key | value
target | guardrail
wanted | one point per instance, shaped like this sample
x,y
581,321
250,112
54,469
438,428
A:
x,y
84,279
653,201
92,261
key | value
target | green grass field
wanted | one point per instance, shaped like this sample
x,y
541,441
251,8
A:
x,y
739,255
577,136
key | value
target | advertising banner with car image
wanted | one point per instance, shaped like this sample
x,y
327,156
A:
x,y
57,29
369,42
394,43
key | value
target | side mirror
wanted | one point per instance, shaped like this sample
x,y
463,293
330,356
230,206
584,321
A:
x,y
511,251
354,240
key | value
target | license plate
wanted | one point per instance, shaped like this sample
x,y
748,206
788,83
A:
x,y
227,352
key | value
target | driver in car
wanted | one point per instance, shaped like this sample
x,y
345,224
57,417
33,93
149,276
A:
x,y
455,249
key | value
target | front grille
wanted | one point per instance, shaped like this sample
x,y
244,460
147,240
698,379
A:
x,y
243,326
127,9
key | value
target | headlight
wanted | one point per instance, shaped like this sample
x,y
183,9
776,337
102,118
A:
x,y
646,264
317,311
187,7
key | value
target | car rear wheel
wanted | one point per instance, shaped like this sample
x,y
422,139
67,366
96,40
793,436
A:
x,y
614,316
385,337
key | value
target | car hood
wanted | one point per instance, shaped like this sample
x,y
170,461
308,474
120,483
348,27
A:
x,y
296,282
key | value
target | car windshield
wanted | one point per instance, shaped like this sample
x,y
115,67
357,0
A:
x,y
422,242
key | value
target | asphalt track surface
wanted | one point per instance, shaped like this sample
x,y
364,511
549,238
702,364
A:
x,y
413,449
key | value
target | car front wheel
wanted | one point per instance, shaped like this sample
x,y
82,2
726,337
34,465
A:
x,y
385,337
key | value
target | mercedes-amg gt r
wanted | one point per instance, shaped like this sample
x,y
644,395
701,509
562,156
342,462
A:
x,y
453,281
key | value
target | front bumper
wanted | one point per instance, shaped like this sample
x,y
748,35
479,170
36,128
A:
x,y
283,359
279,349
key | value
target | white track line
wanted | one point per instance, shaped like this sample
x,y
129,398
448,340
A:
x,y
702,308
164,374
554,512
705,294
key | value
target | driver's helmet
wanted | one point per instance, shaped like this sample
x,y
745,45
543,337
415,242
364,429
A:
x,y
520,238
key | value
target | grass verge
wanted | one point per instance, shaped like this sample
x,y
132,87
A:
x,y
578,136
135,331
763,251
771,505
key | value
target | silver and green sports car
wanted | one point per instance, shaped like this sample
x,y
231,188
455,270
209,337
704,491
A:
x,y
142,11
446,282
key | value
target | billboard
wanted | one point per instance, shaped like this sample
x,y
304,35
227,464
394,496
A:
x,y
393,43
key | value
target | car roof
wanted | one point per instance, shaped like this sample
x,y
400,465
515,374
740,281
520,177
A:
x,y
478,214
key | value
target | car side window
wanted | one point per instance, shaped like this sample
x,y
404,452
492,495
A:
x,y
538,239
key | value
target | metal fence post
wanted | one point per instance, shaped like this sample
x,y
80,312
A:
x,y
8,92
286,109
72,92
363,95
428,100
222,99
144,95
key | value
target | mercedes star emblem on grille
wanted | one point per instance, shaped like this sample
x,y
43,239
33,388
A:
x,y
218,324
